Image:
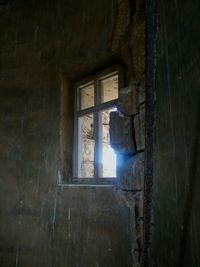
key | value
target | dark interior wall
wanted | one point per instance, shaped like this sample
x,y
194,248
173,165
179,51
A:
x,y
51,34
176,239
43,224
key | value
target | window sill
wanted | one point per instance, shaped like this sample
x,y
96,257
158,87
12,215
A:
x,y
90,182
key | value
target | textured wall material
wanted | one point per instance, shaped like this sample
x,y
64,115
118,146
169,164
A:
x,y
121,133
43,224
176,186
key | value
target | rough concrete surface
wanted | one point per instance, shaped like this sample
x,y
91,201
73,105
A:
x,y
132,173
43,224
121,133
176,185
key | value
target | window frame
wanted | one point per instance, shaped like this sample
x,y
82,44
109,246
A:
x,y
96,109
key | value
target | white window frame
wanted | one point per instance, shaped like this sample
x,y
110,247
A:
x,y
96,109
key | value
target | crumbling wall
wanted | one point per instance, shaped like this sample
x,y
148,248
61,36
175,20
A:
x,y
128,137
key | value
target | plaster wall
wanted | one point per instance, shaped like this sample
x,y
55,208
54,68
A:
x,y
43,224
176,184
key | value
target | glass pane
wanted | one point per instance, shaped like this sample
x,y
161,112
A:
x,y
109,88
86,146
87,96
108,156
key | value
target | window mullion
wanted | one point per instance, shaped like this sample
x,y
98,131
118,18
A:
x,y
91,122
96,144
96,131
100,163
76,140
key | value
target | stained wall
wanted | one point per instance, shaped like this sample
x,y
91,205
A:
x,y
176,184
43,224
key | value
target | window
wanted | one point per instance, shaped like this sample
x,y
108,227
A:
x,y
95,162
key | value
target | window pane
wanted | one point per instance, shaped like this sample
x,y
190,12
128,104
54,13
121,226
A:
x,y
86,146
108,156
87,96
109,88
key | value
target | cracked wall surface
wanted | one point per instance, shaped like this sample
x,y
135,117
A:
x,y
128,40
